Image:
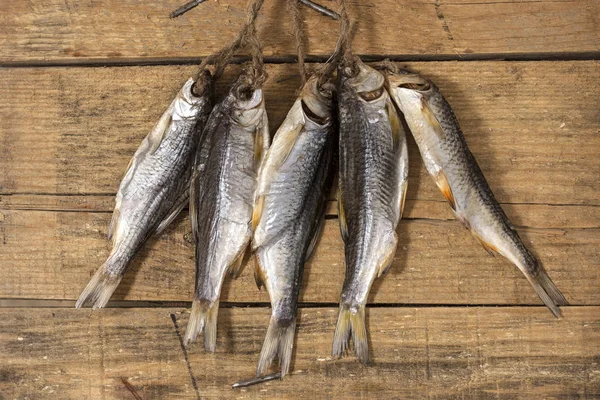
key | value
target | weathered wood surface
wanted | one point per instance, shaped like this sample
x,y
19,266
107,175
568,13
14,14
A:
x,y
68,134
73,130
52,255
524,215
113,30
516,352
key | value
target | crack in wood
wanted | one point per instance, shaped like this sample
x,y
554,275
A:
x,y
440,16
185,355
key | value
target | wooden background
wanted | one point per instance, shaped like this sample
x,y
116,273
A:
x,y
83,81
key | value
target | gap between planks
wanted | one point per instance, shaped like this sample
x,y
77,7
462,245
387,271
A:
x,y
53,303
166,61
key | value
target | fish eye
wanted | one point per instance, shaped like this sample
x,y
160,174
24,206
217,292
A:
x,y
372,95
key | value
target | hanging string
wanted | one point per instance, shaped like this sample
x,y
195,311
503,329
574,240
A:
x,y
299,35
343,49
259,74
221,58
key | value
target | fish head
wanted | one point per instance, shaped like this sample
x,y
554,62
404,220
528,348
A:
x,y
249,108
317,100
363,80
194,95
409,87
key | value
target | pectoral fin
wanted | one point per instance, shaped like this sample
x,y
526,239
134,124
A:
x,y
259,277
114,223
160,131
388,258
257,211
431,120
342,216
315,239
193,206
395,124
490,248
442,182
240,260
177,207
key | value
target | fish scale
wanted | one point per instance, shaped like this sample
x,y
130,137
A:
x,y
222,198
154,188
455,171
372,187
293,185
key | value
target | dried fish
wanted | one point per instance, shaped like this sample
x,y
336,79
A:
x,y
455,171
372,188
235,141
292,193
155,187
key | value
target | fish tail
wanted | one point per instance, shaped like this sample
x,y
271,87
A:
x,y
543,285
203,318
351,319
100,289
279,342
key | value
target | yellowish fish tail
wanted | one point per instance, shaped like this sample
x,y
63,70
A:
x,y
279,342
100,289
543,285
203,318
351,319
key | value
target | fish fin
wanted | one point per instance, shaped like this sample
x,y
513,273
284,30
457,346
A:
x,y
160,132
351,321
259,205
315,239
285,144
342,216
240,260
490,248
193,206
403,199
262,140
114,223
203,318
388,258
279,341
174,212
259,277
99,289
432,120
442,182
394,123
543,286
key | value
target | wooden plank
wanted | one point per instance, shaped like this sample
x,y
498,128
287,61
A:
x,y
73,130
52,255
524,215
112,30
516,352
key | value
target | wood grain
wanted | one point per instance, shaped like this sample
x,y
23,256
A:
x,y
52,255
73,130
113,30
524,215
517,352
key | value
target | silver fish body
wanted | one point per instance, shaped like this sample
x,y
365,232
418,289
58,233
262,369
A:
x,y
235,140
372,187
294,181
155,187
455,171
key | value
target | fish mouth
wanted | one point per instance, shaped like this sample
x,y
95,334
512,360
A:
x,y
316,100
368,83
252,99
321,120
409,80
